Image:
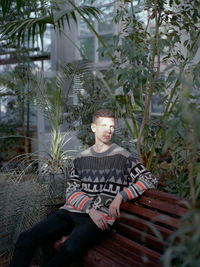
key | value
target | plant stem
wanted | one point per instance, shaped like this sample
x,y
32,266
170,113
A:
x,y
153,82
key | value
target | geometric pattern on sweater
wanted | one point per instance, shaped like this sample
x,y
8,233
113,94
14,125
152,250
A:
x,y
96,178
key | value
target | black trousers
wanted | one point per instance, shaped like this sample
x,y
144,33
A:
x,y
83,234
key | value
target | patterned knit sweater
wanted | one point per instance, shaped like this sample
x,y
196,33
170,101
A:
x,y
96,178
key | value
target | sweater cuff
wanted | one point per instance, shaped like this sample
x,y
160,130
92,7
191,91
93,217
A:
x,y
134,191
87,205
124,196
128,194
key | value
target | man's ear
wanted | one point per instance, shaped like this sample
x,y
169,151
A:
x,y
93,127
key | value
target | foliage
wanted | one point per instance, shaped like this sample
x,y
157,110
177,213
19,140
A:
x,y
30,20
33,180
149,63
47,94
24,202
184,243
8,142
182,138
49,97
16,95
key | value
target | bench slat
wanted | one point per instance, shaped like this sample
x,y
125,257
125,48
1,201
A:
x,y
130,255
105,251
141,237
146,226
93,258
162,206
171,198
140,250
121,252
150,214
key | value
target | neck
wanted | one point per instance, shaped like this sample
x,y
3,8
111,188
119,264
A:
x,y
101,147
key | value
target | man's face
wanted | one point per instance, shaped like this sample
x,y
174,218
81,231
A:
x,y
103,129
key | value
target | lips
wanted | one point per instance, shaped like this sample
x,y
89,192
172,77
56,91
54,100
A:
x,y
107,136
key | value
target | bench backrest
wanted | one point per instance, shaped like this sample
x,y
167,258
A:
x,y
151,218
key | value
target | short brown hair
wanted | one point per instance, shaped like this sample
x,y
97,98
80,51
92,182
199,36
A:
x,y
105,113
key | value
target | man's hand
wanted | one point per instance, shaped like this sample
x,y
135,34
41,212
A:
x,y
114,208
98,219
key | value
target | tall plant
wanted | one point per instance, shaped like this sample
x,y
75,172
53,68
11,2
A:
x,y
50,97
149,61
182,137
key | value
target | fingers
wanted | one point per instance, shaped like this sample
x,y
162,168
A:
x,y
102,224
114,211
98,219
117,212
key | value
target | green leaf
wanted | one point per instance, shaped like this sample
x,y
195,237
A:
x,y
186,42
177,2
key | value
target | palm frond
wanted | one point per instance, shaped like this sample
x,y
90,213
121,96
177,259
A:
x,y
42,99
29,27
77,68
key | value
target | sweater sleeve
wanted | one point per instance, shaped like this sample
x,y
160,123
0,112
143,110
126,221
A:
x,y
74,195
139,180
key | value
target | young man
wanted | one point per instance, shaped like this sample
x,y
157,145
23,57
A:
x,y
102,177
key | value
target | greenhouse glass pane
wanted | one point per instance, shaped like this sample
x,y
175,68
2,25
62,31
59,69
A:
x,y
142,16
47,40
47,65
103,2
157,104
87,47
138,9
84,29
85,2
106,24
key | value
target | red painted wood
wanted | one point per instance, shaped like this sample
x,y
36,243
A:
x,y
130,252
162,206
171,198
141,237
139,249
152,215
146,226
94,258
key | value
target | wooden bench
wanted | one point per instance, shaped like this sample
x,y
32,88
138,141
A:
x,y
139,235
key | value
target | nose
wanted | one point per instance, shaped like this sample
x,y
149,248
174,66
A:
x,y
110,130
